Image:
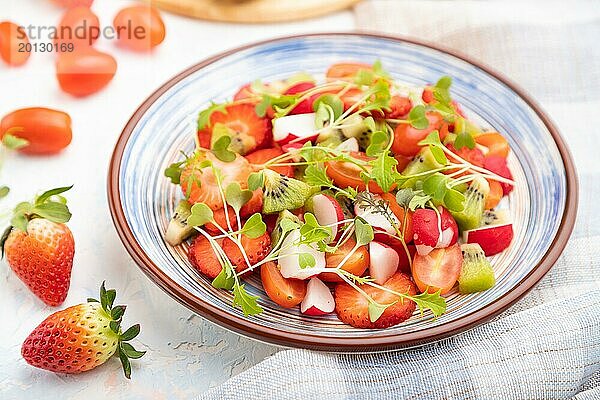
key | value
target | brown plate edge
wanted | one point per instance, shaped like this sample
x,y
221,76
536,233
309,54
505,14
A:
x,y
248,328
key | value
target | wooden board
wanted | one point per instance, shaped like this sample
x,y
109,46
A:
x,y
252,11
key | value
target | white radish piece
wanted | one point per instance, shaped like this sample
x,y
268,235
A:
x,y
289,258
348,145
318,299
328,211
292,127
374,218
384,262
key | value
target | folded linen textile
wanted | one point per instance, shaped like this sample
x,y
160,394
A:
x,y
547,346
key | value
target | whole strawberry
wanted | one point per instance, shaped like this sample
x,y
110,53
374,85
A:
x,y
82,337
39,247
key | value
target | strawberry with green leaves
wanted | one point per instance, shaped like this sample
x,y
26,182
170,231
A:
x,y
39,247
82,337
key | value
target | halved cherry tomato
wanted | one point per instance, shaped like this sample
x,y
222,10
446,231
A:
x,y
406,137
346,70
139,28
73,3
357,264
79,26
496,143
439,269
346,174
399,213
85,71
495,194
13,40
47,131
285,292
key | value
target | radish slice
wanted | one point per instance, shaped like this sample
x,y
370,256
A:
x,y
384,262
289,262
328,212
318,299
348,145
293,127
376,219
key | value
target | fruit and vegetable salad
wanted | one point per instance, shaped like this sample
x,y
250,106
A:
x,y
351,194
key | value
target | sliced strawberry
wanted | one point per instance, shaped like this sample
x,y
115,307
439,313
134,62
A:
x,y
474,155
244,92
248,131
256,250
219,217
353,308
199,184
400,106
261,156
203,258
254,205
498,165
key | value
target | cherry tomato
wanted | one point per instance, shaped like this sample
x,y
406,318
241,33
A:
x,y
79,26
139,28
496,143
47,131
345,70
495,195
12,40
427,95
399,107
357,264
285,292
73,3
439,269
85,71
406,137
399,213
346,174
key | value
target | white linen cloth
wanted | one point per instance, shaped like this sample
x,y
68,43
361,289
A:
x,y
547,346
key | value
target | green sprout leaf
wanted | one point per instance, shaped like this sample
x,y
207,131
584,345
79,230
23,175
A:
x,y
464,139
431,301
173,172
376,309
4,191
436,147
312,231
306,260
417,117
221,149
254,226
436,186
256,180
334,102
287,225
454,200
236,197
245,301
225,279
404,196
384,171
363,232
317,176
201,214
418,201
379,142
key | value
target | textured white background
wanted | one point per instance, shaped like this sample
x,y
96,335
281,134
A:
x,y
186,355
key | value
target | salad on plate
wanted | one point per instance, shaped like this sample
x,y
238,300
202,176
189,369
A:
x,y
354,194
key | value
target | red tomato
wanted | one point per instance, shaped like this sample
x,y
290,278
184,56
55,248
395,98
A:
x,y
285,292
439,269
139,28
496,143
346,174
84,72
357,264
13,39
47,131
346,70
73,3
406,138
79,26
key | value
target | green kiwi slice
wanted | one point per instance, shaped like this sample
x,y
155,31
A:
x,y
283,193
477,274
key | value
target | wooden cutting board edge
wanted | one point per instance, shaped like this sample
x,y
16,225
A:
x,y
252,11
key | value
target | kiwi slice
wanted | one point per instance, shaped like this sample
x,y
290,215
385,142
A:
x,y
472,215
241,142
283,193
276,234
354,126
330,138
477,274
178,229
422,162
